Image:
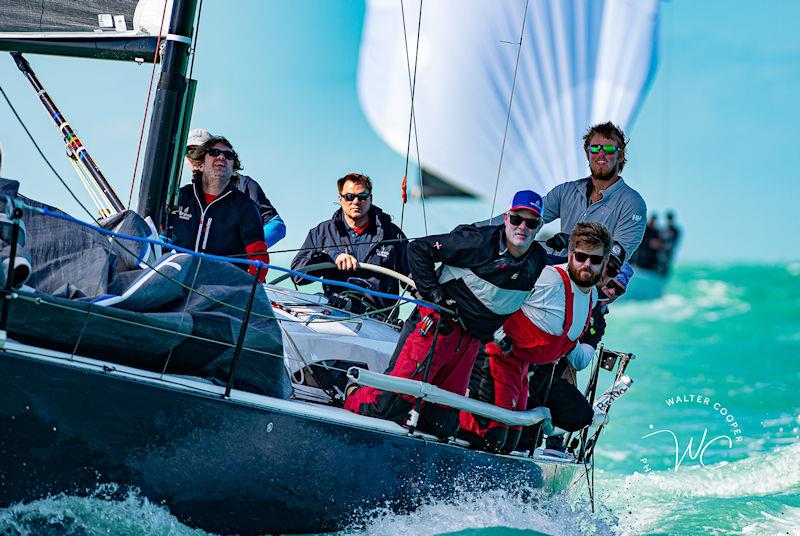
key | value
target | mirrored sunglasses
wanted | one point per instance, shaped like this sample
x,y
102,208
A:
x,y
608,149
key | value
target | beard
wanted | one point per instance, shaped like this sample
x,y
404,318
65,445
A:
x,y
583,277
604,176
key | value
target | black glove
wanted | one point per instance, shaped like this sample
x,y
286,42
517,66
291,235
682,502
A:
x,y
597,328
448,308
558,241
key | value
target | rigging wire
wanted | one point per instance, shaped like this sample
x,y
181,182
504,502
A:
x,y
46,161
412,82
147,102
194,41
510,102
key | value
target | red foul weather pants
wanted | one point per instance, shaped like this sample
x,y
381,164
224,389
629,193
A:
x,y
453,358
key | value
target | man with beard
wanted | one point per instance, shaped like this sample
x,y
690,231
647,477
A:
x,y
603,197
544,330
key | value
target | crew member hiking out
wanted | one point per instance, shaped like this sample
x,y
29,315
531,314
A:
x,y
485,276
545,329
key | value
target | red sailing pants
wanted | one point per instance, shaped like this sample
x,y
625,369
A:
x,y
451,365
510,372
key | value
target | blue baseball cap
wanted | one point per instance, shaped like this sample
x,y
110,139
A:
x,y
529,200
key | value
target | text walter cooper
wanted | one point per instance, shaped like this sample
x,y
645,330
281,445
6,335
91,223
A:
x,y
697,445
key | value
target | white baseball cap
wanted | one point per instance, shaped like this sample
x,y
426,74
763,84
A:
x,y
198,136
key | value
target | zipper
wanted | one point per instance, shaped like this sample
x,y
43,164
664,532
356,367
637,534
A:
x,y
208,231
203,217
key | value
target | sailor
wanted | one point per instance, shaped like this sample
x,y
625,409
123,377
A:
x,y
603,196
358,232
611,286
545,329
213,215
485,276
274,228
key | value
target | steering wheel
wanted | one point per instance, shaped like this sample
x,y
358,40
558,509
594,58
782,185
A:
x,y
361,266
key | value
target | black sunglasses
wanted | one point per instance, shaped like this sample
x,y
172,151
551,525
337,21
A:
x,y
516,219
619,290
363,196
214,152
612,270
581,257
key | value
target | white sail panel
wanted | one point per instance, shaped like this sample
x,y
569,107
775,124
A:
x,y
582,62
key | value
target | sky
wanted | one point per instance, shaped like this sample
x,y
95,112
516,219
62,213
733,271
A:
x,y
714,139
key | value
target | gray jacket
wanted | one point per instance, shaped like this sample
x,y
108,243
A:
x,y
621,209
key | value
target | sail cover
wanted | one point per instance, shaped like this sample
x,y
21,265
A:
x,y
108,29
91,296
581,62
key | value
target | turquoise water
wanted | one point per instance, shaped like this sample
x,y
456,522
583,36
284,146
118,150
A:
x,y
729,336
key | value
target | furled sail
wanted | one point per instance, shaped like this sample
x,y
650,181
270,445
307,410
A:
x,y
581,62
106,29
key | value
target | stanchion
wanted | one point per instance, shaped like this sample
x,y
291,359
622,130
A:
x,y
240,341
14,212
413,420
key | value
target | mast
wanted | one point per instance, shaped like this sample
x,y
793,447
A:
x,y
161,139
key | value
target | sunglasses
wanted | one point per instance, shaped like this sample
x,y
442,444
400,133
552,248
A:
x,y
213,153
608,149
611,270
363,196
516,219
619,290
581,257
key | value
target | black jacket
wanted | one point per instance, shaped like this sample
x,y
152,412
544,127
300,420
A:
x,y
330,238
254,191
223,227
487,283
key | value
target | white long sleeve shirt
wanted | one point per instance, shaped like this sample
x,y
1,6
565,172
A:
x,y
545,308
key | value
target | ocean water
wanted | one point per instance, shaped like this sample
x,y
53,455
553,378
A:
x,y
716,379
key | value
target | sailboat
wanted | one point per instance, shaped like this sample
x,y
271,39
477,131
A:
x,y
122,363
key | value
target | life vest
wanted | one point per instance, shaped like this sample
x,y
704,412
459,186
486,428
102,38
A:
x,y
533,345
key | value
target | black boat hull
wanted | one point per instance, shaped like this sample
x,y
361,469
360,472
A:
x,y
227,466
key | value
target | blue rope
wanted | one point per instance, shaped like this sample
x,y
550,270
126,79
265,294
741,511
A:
x,y
259,264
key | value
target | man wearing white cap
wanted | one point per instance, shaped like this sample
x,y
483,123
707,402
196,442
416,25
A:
x,y
274,228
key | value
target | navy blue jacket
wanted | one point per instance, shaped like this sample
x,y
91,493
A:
x,y
223,227
387,247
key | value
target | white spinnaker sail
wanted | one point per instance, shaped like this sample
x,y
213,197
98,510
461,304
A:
x,y
582,62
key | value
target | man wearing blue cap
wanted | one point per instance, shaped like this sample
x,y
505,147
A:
x,y
486,274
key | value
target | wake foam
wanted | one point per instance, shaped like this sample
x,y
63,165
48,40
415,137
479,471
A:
x,y
643,502
538,513
98,514
787,521
707,299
